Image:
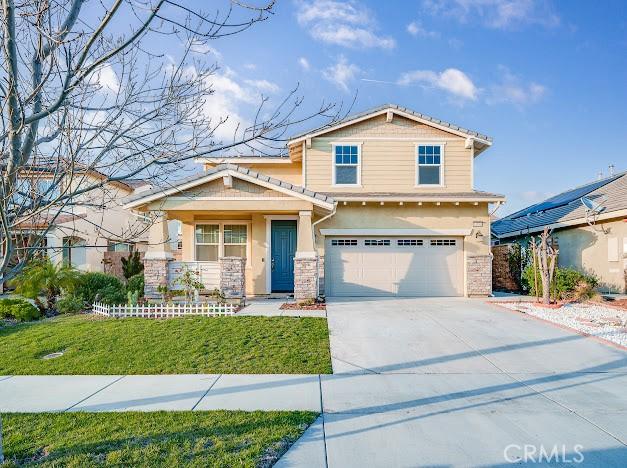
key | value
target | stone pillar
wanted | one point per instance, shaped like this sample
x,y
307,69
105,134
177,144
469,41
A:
x,y
232,277
321,275
305,278
158,255
479,275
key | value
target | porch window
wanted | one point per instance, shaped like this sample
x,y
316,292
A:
x,y
207,242
235,238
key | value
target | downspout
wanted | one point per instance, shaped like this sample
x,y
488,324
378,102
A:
x,y
313,234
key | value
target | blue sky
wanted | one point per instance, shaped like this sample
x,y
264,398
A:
x,y
547,80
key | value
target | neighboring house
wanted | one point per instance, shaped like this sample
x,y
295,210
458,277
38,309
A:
x,y
94,223
591,242
379,204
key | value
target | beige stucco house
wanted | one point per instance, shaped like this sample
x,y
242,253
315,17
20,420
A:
x,y
590,240
380,204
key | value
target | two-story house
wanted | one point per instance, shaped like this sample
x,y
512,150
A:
x,y
381,203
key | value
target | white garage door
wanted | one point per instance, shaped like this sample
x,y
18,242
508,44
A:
x,y
394,266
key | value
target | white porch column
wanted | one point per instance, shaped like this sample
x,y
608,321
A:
x,y
305,243
158,255
305,261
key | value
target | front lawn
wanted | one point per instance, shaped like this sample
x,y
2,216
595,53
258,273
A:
x,y
196,345
215,438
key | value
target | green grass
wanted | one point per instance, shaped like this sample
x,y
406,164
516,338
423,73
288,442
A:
x,y
215,438
93,345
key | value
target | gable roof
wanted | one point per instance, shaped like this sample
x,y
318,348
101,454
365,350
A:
x,y
565,209
148,196
399,110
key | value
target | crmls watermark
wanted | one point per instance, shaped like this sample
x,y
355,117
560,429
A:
x,y
529,453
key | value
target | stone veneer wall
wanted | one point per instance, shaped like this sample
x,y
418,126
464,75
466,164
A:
x,y
479,275
155,275
305,278
502,276
232,277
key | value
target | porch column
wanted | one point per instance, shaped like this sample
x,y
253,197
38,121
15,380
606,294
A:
x,y
305,261
158,255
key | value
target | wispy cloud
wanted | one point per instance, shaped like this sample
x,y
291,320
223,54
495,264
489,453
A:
x,y
513,90
497,14
343,23
416,29
200,47
105,77
453,81
304,63
342,73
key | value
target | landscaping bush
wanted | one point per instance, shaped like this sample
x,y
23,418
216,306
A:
x,y
136,284
70,304
18,309
132,265
568,283
101,287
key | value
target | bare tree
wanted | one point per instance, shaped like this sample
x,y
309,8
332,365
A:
x,y
545,252
84,93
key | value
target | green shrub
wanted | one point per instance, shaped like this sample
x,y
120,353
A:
x,y
136,284
18,309
132,265
70,304
568,283
100,287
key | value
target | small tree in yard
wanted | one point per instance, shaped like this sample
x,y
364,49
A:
x,y
190,283
132,265
544,251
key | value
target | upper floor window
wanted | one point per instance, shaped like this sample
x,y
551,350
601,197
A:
x,y
346,165
429,165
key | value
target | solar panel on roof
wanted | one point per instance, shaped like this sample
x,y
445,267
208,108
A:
x,y
563,198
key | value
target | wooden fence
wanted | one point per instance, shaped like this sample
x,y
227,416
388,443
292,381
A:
x,y
165,310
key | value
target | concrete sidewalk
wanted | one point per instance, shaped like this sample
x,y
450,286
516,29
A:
x,y
57,393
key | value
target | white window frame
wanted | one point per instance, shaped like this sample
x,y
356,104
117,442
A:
x,y
224,244
442,146
346,143
221,224
196,243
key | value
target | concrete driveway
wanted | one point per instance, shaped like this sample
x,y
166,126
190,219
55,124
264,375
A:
x,y
458,382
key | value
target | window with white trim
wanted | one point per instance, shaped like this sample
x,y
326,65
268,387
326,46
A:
x,y
207,242
235,237
429,165
346,165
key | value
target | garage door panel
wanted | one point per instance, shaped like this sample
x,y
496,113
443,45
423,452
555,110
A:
x,y
403,267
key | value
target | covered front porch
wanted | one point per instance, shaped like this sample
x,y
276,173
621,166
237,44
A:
x,y
242,235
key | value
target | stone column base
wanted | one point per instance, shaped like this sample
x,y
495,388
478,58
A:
x,y
321,275
479,276
155,275
305,278
232,277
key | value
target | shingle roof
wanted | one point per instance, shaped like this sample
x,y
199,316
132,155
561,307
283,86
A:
x,y
399,108
477,194
236,168
610,192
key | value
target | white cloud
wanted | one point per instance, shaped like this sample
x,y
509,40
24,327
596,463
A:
x,y
105,77
497,14
250,66
512,90
231,98
451,80
341,73
203,48
346,24
304,63
416,29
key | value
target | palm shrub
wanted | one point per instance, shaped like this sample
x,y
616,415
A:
x,y
136,284
43,278
101,287
132,265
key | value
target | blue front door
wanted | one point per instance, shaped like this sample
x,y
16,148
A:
x,y
283,248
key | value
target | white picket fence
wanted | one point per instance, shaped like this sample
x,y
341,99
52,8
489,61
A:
x,y
206,309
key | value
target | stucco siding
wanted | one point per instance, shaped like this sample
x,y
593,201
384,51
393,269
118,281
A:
x,y
586,249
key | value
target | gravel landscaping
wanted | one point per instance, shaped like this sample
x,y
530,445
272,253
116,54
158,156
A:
x,y
593,319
